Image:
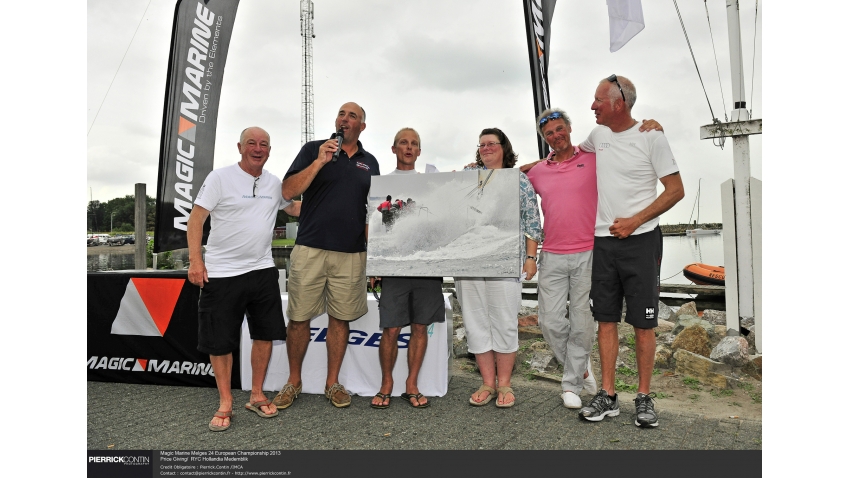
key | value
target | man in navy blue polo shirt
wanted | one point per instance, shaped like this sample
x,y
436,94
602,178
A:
x,y
328,263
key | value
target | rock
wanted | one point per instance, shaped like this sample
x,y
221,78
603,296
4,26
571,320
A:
x,y
542,359
542,345
663,353
753,367
455,305
732,351
664,312
460,333
528,320
457,321
621,354
720,330
687,309
693,339
664,326
689,320
716,317
524,311
460,348
705,370
665,339
748,322
530,332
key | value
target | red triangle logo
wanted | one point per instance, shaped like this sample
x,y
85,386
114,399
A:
x,y
184,125
143,363
160,297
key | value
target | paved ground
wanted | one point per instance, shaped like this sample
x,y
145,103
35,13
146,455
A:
x,y
148,417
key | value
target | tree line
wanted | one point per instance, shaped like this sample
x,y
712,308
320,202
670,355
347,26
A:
x,y
119,215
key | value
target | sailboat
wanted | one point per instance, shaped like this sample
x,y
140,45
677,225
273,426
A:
x,y
699,231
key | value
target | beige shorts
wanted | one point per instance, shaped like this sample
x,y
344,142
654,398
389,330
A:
x,y
326,281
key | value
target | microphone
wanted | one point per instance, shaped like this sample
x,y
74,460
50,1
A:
x,y
338,136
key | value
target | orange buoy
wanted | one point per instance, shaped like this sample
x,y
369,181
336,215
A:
x,y
704,274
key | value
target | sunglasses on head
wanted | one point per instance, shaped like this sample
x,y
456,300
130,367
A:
x,y
613,79
553,116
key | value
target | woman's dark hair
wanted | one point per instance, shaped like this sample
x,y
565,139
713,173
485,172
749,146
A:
x,y
508,156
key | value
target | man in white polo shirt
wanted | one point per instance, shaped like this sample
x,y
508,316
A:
x,y
237,275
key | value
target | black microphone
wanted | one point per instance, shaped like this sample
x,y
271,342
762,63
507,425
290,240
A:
x,y
338,136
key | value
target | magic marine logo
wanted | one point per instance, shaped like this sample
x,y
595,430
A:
x,y
131,364
147,307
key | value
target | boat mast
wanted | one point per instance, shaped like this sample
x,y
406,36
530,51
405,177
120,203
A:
x,y
741,196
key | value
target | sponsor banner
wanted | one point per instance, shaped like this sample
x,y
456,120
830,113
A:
x,y
361,370
143,328
199,42
538,20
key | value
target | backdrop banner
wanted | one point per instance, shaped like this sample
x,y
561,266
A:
x,y
538,20
199,42
361,371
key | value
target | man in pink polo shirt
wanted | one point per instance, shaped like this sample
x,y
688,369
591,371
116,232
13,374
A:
x,y
566,183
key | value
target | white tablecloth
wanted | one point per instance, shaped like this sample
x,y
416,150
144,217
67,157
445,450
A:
x,y
361,371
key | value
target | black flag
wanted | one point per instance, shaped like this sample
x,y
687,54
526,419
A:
x,y
538,19
199,42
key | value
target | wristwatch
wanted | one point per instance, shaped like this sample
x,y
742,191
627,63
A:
x,y
534,258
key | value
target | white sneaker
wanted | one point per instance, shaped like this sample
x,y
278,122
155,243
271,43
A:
x,y
571,400
590,382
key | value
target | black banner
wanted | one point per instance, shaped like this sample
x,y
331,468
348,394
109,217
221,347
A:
x,y
538,20
199,42
143,328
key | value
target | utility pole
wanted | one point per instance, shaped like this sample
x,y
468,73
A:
x,y
307,36
740,197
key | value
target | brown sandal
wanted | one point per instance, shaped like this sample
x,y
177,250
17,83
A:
x,y
483,388
221,414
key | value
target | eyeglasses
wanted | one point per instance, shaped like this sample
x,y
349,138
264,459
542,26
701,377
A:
x,y
256,180
553,116
613,79
487,145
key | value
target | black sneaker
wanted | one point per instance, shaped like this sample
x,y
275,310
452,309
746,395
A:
x,y
600,406
646,416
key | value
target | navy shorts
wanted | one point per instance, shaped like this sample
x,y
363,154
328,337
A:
x,y
406,300
627,268
225,301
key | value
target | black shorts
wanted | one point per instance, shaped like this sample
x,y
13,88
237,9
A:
x,y
406,300
627,268
224,302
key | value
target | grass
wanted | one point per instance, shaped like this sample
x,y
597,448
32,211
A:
x,y
661,395
692,383
283,242
622,386
627,371
695,397
756,397
630,341
737,404
721,393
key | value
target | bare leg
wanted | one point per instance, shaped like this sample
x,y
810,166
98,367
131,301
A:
x,y
297,339
261,352
487,367
504,368
415,355
645,354
336,344
222,365
387,354
609,341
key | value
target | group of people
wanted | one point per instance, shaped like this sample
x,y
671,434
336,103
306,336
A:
x,y
391,210
601,244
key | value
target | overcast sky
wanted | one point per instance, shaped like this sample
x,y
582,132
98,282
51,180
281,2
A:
x,y
447,68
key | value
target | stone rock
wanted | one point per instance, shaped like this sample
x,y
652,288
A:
x,y
748,322
528,320
542,359
753,367
720,330
664,311
457,321
460,349
455,305
732,351
665,339
621,355
664,326
460,333
689,320
525,311
705,370
687,309
530,332
542,345
694,339
663,354
716,317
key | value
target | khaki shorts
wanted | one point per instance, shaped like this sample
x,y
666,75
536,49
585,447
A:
x,y
326,281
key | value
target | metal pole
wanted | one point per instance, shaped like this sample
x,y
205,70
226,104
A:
x,y
141,227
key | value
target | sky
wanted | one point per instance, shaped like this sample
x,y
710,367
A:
x,y
447,69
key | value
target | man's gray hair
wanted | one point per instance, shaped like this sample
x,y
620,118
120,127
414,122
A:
x,y
628,87
242,134
548,112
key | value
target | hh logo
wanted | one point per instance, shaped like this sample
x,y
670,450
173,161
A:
x,y
147,306
650,313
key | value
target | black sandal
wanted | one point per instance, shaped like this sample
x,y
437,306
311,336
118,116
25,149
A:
x,y
417,396
382,396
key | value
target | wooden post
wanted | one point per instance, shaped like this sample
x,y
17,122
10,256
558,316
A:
x,y
141,220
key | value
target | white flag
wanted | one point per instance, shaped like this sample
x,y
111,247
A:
x,y
625,20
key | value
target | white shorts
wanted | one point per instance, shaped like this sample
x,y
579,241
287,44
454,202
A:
x,y
490,308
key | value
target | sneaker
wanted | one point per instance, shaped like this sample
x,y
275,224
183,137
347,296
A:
x,y
571,400
338,395
286,396
646,416
590,385
601,406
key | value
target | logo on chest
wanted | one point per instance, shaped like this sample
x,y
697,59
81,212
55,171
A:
x,y
361,166
604,145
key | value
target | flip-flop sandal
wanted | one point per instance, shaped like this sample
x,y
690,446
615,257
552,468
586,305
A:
x,y
504,391
255,407
483,388
382,396
221,414
417,396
